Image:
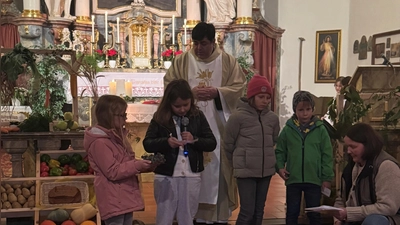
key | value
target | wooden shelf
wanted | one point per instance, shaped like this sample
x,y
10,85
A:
x,y
60,152
77,177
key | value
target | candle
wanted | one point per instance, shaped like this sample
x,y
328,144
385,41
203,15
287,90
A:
x,y
162,31
128,88
173,29
117,29
113,87
185,32
106,26
93,28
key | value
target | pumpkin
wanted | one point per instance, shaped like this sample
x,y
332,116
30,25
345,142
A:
x,y
58,215
47,222
68,222
88,222
84,213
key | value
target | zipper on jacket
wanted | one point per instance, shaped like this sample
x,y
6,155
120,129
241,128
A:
x,y
302,158
263,150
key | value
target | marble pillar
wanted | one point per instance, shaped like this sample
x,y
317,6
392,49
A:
x,y
31,8
244,12
192,13
82,11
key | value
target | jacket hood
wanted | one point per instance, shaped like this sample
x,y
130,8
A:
x,y
96,132
243,105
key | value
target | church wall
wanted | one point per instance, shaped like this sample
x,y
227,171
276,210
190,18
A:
x,y
270,10
303,19
369,17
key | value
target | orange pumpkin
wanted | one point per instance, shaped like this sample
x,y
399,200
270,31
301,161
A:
x,y
47,222
88,222
68,222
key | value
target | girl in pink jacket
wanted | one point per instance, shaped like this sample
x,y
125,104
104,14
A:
x,y
113,161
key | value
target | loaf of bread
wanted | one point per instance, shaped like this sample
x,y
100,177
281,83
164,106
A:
x,y
64,194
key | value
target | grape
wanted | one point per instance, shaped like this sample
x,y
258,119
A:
x,y
158,158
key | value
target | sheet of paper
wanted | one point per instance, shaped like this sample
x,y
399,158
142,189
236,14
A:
x,y
326,192
323,208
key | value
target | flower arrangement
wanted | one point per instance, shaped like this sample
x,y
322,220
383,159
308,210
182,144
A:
x,y
169,54
99,55
112,54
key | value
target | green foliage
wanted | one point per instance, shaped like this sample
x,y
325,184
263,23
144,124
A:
x,y
392,116
49,70
353,111
247,68
36,123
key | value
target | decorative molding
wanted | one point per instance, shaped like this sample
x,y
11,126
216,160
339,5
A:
x,y
158,12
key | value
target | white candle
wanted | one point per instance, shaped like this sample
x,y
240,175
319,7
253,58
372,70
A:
x,y
173,29
113,87
92,28
185,32
106,27
128,88
117,29
162,32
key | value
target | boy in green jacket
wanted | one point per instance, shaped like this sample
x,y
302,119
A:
x,y
304,158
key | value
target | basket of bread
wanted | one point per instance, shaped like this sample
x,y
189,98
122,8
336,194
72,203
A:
x,y
68,193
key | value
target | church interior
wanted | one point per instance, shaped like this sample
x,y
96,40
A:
x,y
285,41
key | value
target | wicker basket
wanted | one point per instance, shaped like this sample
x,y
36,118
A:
x,y
45,188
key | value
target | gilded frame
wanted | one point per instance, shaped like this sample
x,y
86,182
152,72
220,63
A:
x,y
327,56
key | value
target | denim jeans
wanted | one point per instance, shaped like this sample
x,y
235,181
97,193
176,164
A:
x,y
312,197
373,219
124,219
253,194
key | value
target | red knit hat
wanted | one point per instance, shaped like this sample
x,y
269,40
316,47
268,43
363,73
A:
x,y
258,84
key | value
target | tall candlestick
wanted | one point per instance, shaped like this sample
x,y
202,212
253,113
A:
x,y
117,29
162,32
173,29
185,32
92,28
128,88
112,87
106,26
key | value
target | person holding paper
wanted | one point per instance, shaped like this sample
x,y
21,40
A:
x,y
370,181
217,82
304,159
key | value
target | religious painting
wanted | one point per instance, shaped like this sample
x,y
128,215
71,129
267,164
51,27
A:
x,y
369,48
363,48
382,43
355,46
327,56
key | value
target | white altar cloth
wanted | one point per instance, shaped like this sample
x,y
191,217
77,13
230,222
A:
x,y
143,84
140,113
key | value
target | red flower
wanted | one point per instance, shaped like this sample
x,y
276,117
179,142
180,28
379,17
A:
x,y
99,55
168,54
112,54
178,52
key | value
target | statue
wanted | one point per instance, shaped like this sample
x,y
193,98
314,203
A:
x,y
255,3
55,10
220,11
65,38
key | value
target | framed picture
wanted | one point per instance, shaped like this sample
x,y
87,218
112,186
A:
x,y
327,56
384,42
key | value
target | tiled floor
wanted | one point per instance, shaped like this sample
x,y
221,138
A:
x,y
274,211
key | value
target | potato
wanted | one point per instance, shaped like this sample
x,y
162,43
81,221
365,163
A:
x,y
16,205
15,186
31,204
32,190
31,198
6,205
21,199
4,197
28,183
26,193
25,205
10,190
7,186
12,198
2,189
17,191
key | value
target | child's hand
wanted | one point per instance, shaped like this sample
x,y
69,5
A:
x,y
174,143
187,137
326,184
284,174
144,166
340,214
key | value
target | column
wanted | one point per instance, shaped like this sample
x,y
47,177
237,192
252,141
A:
x,y
82,11
193,12
31,8
244,12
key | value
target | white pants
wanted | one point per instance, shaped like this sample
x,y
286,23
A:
x,y
176,197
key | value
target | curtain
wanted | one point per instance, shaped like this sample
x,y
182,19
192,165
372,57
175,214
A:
x,y
265,59
9,35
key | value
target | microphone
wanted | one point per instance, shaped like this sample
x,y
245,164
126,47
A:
x,y
185,123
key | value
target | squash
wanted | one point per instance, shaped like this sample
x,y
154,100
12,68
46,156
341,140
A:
x,y
68,222
58,216
47,222
84,213
88,222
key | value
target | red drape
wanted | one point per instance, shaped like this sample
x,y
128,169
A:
x,y
265,59
9,35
